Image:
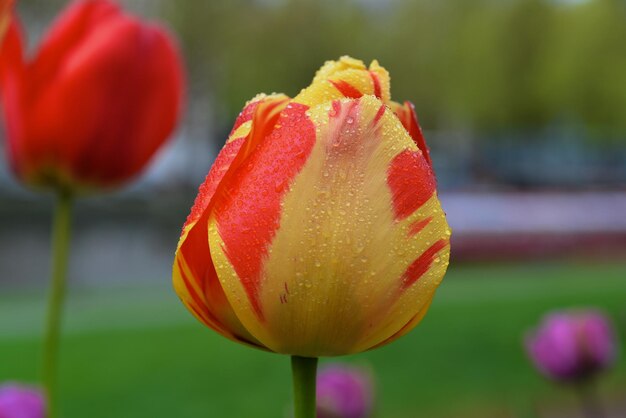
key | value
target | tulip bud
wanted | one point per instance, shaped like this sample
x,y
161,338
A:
x,y
572,346
92,107
318,231
344,392
21,402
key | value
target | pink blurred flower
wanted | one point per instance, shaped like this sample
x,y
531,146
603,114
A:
x,y
18,401
344,392
572,346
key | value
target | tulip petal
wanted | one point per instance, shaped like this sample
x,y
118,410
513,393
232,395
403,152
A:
x,y
11,46
407,327
69,31
408,117
108,78
194,276
103,65
23,82
248,210
349,78
338,267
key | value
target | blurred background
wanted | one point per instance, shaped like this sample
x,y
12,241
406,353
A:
x,y
523,103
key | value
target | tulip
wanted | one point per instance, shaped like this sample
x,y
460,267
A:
x,y
318,231
344,392
87,113
96,102
21,402
572,347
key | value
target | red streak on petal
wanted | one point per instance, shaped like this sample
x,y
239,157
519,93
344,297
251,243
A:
x,y
420,266
411,181
245,115
417,226
248,214
408,117
347,89
194,295
200,307
200,314
204,313
379,114
376,81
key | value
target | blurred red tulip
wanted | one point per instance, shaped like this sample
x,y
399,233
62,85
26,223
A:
x,y
102,94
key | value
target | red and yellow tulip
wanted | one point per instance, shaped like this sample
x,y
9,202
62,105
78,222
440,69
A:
x,y
90,109
318,231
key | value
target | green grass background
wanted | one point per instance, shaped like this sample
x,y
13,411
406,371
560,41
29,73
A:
x,y
135,352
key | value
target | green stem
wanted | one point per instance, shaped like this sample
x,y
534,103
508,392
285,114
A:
x,y
590,403
304,371
60,251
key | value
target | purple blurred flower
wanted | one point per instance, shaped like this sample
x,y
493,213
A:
x,y
572,346
344,392
21,402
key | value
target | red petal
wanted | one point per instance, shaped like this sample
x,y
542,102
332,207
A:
x,y
69,30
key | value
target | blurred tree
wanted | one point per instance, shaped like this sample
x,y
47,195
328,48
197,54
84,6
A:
x,y
500,49
584,77
244,47
484,66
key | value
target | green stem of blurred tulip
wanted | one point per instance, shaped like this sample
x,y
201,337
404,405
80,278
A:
x,y
304,374
591,405
60,250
